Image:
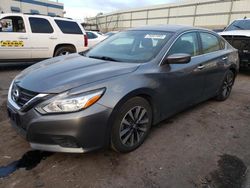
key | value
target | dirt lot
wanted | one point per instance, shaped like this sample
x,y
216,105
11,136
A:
x,y
206,146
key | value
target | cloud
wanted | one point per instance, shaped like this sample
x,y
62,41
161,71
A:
x,y
80,9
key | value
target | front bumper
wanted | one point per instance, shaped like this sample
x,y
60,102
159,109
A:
x,y
70,132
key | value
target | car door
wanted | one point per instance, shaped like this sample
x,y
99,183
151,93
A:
x,y
183,84
215,58
14,39
43,37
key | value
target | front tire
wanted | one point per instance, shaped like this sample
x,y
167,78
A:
x,y
226,87
132,125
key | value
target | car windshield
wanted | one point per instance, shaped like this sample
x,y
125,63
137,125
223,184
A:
x,y
239,25
131,46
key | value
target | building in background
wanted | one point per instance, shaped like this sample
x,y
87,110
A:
x,y
45,7
212,14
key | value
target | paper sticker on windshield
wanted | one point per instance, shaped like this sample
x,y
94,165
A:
x,y
9,43
151,36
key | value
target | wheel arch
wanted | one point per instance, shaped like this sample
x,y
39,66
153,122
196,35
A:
x,y
147,94
233,68
63,45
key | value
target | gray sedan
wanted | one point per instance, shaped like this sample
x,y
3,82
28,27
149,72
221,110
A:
x,y
112,94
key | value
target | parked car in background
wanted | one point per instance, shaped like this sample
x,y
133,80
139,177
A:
x,y
238,35
111,33
94,38
112,94
27,37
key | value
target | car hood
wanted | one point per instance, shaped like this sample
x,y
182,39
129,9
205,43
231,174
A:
x,y
66,72
236,33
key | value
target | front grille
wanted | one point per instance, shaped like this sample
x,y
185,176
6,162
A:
x,y
241,43
23,95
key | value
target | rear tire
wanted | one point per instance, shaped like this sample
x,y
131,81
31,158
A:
x,y
64,50
226,87
131,125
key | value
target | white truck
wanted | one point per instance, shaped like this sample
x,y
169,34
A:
x,y
27,37
238,35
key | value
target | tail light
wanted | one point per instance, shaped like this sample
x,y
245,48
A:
x,y
85,41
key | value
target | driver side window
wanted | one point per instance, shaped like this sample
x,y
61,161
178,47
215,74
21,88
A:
x,y
13,24
187,44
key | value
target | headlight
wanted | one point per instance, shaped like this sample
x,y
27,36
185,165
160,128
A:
x,y
70,103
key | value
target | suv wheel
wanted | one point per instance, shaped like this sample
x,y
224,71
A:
x,y
131,125
226,87
64,50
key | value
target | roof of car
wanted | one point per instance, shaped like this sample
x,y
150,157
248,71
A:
x,y
35,15
170,28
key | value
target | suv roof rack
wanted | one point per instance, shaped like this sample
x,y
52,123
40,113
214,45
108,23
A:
x,y
47,15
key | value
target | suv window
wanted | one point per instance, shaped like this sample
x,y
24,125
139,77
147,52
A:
x,y
69,27
91,35
40,25
187,43
12,24
210,43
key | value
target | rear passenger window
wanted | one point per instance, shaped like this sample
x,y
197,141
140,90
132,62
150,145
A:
x,y
40,25
69,27
210,43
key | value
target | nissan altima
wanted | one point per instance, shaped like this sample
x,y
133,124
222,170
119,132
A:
x,y
112,94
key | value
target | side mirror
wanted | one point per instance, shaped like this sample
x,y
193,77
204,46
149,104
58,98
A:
x,y
177,59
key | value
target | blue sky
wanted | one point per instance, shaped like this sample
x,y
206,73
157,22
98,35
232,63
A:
x,y
80,9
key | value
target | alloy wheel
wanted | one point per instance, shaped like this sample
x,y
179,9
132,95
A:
x,y
227,85
64,53
134,126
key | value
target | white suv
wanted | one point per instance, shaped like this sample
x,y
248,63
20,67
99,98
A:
x,y
25,37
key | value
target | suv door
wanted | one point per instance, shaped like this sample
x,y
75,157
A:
x,y
43,37
14,39
184,83
215,58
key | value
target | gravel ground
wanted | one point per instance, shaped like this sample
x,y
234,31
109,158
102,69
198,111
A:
x,y
206,146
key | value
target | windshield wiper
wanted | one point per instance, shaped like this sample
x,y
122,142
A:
x,y
104,58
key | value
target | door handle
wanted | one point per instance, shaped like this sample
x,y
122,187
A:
x,y
53,38
200,67
22,37
224,58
